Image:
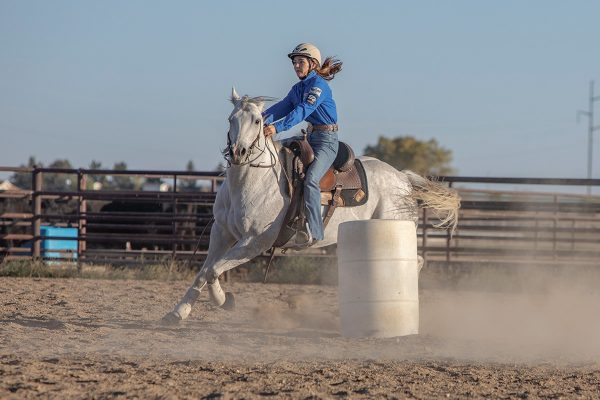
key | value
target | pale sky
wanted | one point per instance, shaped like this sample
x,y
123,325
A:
x,y
147,82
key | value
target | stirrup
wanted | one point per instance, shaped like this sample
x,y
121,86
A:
x,y
301,238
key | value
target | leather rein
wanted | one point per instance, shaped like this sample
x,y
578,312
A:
x,y
228,154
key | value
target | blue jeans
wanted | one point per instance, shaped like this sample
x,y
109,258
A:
x,y
325,147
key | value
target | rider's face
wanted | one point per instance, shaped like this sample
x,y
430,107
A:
x,y
301,66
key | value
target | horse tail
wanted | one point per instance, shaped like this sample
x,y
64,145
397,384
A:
x,y
442,200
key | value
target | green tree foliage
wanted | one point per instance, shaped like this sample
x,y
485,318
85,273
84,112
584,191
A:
x,y
406,152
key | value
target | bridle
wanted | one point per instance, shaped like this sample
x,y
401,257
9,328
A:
x,y
228,153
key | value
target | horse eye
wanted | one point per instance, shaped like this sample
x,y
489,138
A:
x,y
257,121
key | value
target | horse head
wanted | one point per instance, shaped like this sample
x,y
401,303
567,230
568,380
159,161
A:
x,y
246,142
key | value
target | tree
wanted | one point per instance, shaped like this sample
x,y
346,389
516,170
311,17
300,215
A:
x,y
60,181
406,152
50,181
122,182
189,185
96,181
23,179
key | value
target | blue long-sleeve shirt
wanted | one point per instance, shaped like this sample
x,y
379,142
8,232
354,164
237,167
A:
x,y
309,100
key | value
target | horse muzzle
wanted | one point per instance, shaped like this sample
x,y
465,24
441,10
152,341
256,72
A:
x,y
238,154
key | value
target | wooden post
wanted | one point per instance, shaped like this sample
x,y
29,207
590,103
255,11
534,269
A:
x,y
37,211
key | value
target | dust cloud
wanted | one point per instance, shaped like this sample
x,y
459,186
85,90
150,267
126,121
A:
x,y
521,313
518,314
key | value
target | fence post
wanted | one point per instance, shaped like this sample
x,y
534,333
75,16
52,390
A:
x,y
573,238
37,211
424,238
174,216
554,227
81,213
535,236
448,236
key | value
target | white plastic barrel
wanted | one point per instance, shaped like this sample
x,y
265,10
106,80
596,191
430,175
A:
x,y
378,278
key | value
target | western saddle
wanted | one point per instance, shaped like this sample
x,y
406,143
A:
x,y
343,185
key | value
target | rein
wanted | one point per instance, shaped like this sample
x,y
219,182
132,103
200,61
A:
x,y
229,154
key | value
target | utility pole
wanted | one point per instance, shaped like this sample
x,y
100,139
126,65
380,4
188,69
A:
x,y
591,128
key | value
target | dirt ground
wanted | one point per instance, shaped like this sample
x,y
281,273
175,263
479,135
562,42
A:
x,y
73,338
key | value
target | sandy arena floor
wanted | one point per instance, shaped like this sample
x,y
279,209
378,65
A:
x,y
71,338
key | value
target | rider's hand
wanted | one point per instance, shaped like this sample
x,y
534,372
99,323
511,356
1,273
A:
x,y
269,130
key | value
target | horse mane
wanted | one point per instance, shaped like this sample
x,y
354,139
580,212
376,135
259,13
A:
x,y
245,101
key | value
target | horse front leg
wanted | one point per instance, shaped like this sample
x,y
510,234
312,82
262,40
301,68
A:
x,y
221,241
242,252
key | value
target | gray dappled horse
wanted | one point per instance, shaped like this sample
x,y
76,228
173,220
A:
x,y
252,201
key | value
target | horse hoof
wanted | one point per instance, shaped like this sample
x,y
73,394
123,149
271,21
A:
x,y
229,304
171,319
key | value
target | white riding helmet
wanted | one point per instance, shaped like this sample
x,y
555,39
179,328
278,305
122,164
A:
x,y
306,50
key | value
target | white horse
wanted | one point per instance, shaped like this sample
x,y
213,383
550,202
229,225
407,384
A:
x,y
252,202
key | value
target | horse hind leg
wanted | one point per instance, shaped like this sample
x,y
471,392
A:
x,y
239,254
222,299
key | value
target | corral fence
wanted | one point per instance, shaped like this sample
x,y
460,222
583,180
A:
x,y
86,222
531,225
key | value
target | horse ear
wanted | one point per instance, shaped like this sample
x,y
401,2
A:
x,y
234,95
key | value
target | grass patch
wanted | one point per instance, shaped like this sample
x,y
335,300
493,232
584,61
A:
x,y
294,269
163,271
37,269
291,269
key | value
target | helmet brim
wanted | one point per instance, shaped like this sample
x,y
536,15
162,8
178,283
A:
x,y
309,56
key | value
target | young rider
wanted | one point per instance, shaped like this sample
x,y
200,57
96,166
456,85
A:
x,y
310,100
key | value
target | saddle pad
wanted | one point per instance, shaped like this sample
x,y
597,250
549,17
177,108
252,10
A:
x,y
355,191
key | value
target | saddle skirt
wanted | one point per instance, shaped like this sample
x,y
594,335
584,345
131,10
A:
x,y
352,183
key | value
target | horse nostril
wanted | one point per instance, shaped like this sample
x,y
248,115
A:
x,y
243,152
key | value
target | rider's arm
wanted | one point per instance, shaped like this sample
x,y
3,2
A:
x,y
278,110
314,97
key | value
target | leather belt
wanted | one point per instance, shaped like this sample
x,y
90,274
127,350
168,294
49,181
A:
x,y
322,128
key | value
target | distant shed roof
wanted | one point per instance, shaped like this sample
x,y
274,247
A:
x,y
6,185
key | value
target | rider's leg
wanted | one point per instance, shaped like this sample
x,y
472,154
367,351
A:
x,y
325,147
